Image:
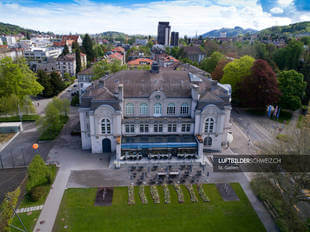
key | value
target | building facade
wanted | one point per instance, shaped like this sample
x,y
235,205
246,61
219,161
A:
x,y
145,116
174,39
163,33
66,64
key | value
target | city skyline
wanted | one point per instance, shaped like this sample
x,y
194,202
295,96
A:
x,y
141,17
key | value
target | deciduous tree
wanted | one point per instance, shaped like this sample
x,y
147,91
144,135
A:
x,y
218,72
208,64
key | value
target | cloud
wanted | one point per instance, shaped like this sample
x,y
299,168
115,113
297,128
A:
x,y
276,10
186,16
285,3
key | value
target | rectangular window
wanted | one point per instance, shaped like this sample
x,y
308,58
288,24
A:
x,y
144,128
130,128
186,127
172,127
158,127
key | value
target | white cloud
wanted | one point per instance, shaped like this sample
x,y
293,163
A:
x,y
187,17
285,3
276,10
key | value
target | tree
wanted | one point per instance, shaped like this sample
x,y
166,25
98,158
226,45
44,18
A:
x,y
260,88
78,60
37,172
75,45
218,72
235,71
292,87
87,45
208,64
289,57
57,83
44,80
65,51
102,68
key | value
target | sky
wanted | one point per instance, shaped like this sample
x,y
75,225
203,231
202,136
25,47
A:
x,y
189,17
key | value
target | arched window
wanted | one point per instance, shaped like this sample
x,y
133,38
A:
x,y
171,109
184,109
105,126
209,125
129,109
157,109
208,141
144,109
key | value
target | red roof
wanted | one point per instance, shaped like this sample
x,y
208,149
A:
x,y
116,55
140,61
70,37
82,54
118,49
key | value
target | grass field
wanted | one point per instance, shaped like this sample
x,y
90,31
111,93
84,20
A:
x,y
28,220
78,212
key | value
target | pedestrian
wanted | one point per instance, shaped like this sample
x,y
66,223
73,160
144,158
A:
x,y
38,104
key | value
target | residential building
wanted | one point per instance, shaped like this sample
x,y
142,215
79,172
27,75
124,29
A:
x,y
14,53
142,42
194,53
9,40
83,60
84,80
42,58
1,43
115,56
66,64
139,62
163,33
166,60
68,40
174,39
157,115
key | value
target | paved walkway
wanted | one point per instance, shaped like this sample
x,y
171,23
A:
x,y
29,209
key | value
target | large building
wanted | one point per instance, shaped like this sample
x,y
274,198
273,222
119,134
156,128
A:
x,y
174,39
66,64
163,33
155,116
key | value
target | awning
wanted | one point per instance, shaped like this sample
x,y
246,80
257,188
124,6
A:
x,y
169,141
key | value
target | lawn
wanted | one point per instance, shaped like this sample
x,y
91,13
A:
x,y
28,220
78,212
6,137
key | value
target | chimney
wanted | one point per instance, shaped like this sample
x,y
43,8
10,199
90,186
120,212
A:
x,y
120,92
195,92
155,67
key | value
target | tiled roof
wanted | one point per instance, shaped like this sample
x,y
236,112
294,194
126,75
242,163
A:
x,y
118,49
88,71
68,57
140,61
116,55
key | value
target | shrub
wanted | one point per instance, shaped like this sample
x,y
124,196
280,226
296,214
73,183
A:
x,y
38,173
75,100
37,193
6,209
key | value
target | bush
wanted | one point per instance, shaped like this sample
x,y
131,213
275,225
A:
x,y
75,100
38,192
6,209
38,173
26,118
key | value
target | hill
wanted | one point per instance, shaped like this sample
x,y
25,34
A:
x,y
9,29
113,34
292,29
230,32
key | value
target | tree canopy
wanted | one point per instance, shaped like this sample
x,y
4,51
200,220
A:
x,y
218,72
292,86
209,63
235,71
103,67
87,45
260,88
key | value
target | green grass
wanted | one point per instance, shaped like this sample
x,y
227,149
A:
x,y
26,202
300,121
26,118
28,220
78,212
52,134
283,137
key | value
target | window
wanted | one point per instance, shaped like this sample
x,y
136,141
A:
x,y
158,127
171,109
208,141
157,109
184,109
144,128
129,109
130,128
105,126
144,109
186,127
172,127
209,125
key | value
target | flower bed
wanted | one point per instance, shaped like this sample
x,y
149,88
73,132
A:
x,y
179,192
131,195
191,192
167,194
202,193
155,195
142,195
